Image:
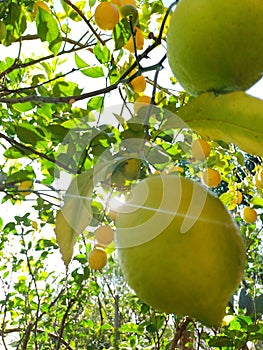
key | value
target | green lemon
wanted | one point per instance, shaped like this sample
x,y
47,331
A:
x,y
179,248
216,45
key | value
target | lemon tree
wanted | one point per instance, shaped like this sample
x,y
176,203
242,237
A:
x,y
90,114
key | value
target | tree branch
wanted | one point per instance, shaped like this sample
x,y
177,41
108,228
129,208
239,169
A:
x,y
81,14
22,147
180,329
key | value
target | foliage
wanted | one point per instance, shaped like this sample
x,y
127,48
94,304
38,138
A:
x,y
59,127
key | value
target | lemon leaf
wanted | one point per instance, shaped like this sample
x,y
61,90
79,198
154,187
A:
x,y
75,215
234,118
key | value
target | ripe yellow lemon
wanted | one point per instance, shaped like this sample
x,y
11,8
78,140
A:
x,y
216,45
211,177
97,258
200,149
238,197
179,248
249,215
104,234
138,84
139,41
106,15
141,101
25,188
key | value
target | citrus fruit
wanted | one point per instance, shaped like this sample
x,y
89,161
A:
x,y
200,149
106,15
118,3
97,258
129,2
238,197
141,101
2,30
104,234
139,41
131,168
25,188
179,248
40,4
249,215
130,12
216,45
211,177
138,84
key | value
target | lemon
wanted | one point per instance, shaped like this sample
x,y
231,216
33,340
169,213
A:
x,y
25,188
249,215
138,84
131,168
106,15
211,177
200,149
139,41
179,248
97,258
104,234
216,45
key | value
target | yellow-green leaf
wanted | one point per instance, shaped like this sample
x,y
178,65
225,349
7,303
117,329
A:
x,y
234,118
75,215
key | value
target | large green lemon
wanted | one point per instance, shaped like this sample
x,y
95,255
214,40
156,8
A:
x,y
216,45
179,248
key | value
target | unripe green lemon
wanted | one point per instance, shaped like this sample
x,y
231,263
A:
x,y
216,45
179,248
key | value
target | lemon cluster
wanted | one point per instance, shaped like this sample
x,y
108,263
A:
x,y
108,14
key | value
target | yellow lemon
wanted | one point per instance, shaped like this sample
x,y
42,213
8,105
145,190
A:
x,y
249,215
216,45
179,248
200,149
25,188
138,84
97,258
106,15
211,177
141,101
139,41
104,234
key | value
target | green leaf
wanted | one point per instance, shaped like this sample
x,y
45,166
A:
x,y
233,118
95,103
220,341
121,33
28,134
48,30
102,53
23,107
17,19
75,215
92,72
14,153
